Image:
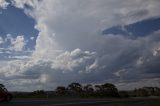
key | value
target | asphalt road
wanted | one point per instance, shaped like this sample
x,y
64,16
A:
x,y
77,102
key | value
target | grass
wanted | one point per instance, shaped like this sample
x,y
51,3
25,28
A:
x,y
154,102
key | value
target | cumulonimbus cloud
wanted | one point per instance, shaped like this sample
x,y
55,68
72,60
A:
x,y
70,43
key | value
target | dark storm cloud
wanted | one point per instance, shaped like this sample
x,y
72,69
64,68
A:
x,y
136,57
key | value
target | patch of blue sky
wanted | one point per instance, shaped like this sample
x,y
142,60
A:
x,y
142,28
15,22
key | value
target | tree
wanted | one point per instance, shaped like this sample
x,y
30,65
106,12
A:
x,y
98,87
110,90
98,90
106,89
61,90
140,92
75,89
88,90
38,93
123,94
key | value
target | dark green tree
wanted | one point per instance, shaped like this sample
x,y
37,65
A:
x,y
106,90
75,89
88,90
61,91
110,90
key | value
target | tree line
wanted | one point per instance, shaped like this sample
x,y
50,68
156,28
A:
x,y
102,90
76,89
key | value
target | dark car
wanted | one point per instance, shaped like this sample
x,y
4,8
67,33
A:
x,y
4,94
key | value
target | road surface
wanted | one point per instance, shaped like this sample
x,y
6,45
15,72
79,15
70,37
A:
x,y
77,102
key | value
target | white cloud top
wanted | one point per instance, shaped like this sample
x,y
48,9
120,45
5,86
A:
x,y
3,4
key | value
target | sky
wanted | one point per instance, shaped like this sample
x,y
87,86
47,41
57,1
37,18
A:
x,y
48,43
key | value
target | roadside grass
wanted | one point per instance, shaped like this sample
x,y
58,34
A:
x,y
154,102
151,101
